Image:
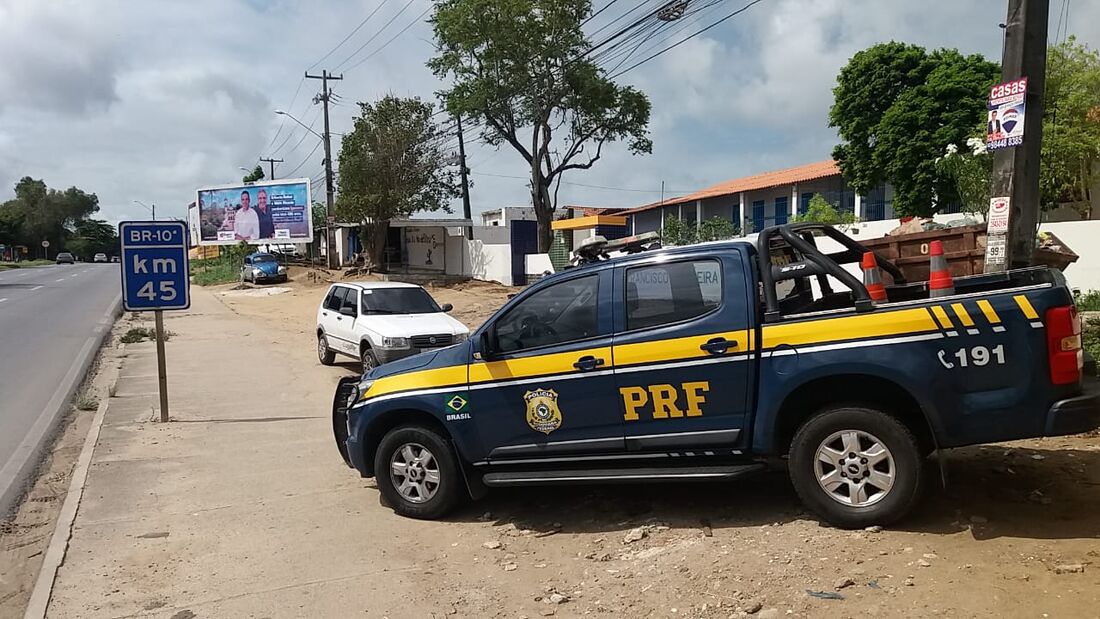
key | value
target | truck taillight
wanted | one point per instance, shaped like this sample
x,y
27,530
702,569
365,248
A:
x,y
1064,345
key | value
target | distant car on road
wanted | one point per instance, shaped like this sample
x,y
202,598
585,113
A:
x,y
379,322
100,258
262,267
116,259
65,258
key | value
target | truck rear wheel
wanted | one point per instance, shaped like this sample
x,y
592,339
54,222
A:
x,y
417,473
855,467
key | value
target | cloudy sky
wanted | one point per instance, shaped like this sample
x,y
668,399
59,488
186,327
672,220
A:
x,y
149,100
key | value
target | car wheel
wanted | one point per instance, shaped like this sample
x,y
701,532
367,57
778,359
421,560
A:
x,y
370,361
855,467
325,354
417,473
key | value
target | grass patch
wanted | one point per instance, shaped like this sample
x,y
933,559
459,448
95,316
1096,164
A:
x,y
86,402
1090,339
1088,301
26,263
140,334
214,272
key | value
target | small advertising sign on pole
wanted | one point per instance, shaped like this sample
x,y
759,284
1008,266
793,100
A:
x,y
1005,120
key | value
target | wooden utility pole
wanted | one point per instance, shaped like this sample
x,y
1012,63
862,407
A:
x,y
272,162
465,179
1016,168
330,238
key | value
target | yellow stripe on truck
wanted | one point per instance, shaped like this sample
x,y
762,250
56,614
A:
x,y
657,351
539,365
901,322
1026,307
990,313
942,317
423,379
964,316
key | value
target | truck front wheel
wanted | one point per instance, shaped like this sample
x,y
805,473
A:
x,y
417,472
855,467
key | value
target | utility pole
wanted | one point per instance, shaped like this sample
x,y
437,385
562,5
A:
x,y
330,239
1016,168
272,162
465,179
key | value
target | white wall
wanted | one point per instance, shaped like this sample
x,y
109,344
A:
x,y
456,251
1080,237
489,256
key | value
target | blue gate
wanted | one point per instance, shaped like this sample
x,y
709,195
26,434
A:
x,y
525,240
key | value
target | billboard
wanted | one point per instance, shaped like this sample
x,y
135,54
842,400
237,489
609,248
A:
x,y
1005,118
258,213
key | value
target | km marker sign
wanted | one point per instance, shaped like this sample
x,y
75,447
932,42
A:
x,y
155,277
154,265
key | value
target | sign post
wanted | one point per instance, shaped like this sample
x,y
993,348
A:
x,y
46,249
155,277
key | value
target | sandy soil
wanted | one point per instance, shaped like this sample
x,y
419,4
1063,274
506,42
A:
x,y
1015,533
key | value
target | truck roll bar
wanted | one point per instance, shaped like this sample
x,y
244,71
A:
x,y
801,238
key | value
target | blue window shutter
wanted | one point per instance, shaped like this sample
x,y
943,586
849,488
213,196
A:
x,y
782,210
757,215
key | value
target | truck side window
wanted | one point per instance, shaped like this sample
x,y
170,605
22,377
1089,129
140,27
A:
x,y
660,294
558,314
335,298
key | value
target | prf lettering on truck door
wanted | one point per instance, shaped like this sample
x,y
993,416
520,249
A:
x,y
662,401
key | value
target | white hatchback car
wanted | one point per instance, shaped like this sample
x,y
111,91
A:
x,y
379,322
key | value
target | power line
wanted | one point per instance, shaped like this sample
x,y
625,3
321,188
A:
x,y
384,45
597,13
687,38
283,123
299,166
375,35
350,34
291,134
524,178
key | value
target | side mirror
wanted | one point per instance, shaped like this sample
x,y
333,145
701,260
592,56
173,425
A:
x,y
446,307
347,311
485,345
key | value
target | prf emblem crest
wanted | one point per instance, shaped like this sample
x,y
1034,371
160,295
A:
x,y
542,410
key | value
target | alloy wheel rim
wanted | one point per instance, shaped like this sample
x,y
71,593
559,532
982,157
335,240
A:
x,y
322,346
854,468
414,471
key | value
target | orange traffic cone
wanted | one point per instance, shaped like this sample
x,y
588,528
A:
x,y
872,278
940,283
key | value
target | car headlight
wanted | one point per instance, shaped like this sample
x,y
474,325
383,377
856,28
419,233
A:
x,y
461,337
257,272
282,270
395,342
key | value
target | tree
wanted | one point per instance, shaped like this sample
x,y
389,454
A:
x,y
1070,161
257,174
821,211
970,169
93,236
391,166
682,232
521,68
896,108
39,213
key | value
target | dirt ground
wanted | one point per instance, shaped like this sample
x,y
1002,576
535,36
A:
x,y
1015,533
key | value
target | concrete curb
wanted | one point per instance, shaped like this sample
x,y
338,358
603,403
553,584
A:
x,y
15,475
59,542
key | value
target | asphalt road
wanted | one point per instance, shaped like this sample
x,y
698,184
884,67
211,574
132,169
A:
x,y
52,320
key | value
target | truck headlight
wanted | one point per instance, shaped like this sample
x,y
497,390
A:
x,y
461,337
395,342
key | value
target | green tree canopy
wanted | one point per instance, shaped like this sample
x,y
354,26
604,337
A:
x,y
391,166
520,68
1070,161
92,236
38,213
257,174
896,108
821,211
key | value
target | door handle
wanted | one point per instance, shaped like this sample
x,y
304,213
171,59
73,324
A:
x,y
339,318
587,363
718,346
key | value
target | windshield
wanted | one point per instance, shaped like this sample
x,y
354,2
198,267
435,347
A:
x,y
398,301
263,258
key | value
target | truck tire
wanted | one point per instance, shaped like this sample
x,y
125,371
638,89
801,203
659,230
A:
x,y
324,354
417,473
856,467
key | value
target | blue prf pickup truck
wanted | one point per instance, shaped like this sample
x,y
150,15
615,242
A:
x,y
716,360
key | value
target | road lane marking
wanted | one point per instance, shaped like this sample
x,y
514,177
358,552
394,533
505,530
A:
x,y
60,280
4,299
35,288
